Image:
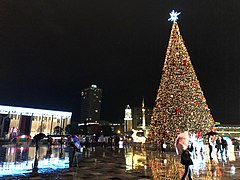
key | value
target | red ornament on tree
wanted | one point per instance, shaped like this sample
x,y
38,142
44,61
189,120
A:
x,y
197,103
185,62
178,110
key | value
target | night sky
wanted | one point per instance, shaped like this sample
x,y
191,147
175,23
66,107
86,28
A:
x,y
50,50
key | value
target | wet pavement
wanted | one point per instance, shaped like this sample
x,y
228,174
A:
x,y
111,163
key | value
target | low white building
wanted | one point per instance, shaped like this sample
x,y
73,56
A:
x,y
31,121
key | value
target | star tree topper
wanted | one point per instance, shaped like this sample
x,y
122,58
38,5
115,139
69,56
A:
x,y
174,16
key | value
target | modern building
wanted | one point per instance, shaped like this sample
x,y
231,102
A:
x,y
91,99
30,121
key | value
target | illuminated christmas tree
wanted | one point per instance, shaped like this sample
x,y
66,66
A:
x,y
180,103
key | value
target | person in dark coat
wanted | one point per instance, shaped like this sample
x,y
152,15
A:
x,y
224,146
116,140
187,161
219,145
50,141
210,145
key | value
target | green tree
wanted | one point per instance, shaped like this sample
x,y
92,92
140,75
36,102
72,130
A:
x,y
180,103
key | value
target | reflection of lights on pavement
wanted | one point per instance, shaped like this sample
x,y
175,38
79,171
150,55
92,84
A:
x,y
15,164
134,161
138,161
45,165
121,144
128,158
231,156
232,170
21,149
165,161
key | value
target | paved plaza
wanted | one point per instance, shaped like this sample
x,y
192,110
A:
x,y
111,163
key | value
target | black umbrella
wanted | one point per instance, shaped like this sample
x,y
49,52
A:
x,y
211,133
39,136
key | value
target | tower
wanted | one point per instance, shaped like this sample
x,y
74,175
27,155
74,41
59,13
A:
x,y
91,99
143,116
128,119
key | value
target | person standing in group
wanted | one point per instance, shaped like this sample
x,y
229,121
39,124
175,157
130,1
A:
x,y
224,146
164,146
219,145
101,141
116,141
61,142
50,141
210,145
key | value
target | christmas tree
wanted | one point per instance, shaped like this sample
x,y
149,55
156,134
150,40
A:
x,y
180,103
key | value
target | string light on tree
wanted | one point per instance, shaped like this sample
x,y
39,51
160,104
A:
x,y
180,103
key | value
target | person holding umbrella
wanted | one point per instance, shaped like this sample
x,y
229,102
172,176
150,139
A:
x,y
210,142
75,144
37,138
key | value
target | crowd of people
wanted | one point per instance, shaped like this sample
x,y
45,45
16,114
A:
x,y
82,143
220,144
188,151
185,146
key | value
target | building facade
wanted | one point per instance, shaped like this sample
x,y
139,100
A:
x,y
91,99
230,130
31,121
138,116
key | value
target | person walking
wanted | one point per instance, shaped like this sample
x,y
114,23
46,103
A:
x,y
210,145
186,161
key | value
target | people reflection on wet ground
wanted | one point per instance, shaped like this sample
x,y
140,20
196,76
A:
x,y
50,141
156,163
49,152
61,154
35,164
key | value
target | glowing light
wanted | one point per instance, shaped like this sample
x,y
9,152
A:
x,y
174,16
33,112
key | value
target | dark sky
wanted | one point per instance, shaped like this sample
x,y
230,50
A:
x,y
50,50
